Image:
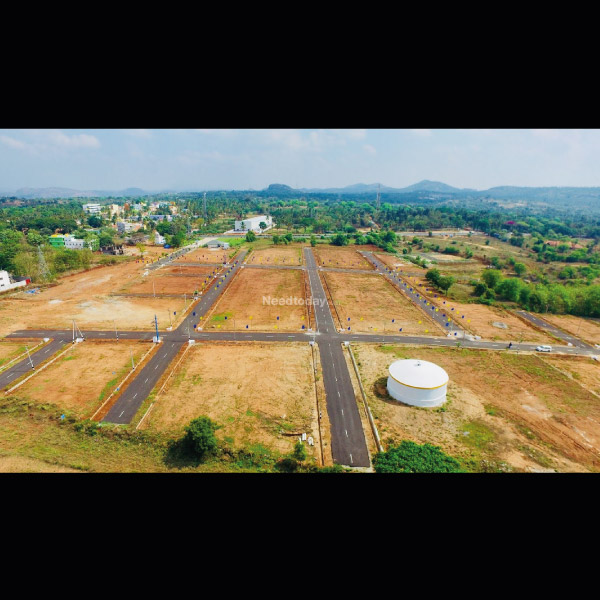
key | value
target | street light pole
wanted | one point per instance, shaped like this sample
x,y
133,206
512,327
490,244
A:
x,y
29,356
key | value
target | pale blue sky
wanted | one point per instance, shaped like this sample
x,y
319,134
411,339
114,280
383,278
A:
x,y
196,159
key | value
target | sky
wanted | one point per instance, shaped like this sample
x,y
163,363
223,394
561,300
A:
x,y
244,159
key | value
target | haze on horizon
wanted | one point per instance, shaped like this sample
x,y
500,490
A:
x,y
242,159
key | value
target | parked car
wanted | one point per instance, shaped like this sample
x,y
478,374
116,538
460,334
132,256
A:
x,y
544,348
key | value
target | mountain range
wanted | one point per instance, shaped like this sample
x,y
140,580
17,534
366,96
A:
x,y
59,192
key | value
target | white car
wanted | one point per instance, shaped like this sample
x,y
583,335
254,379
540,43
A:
x,y
544,348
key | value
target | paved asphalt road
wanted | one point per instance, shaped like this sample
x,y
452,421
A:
x,y
138,390
24,366
413,294
559,333
348,444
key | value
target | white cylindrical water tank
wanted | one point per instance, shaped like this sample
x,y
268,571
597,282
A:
x,y
417,382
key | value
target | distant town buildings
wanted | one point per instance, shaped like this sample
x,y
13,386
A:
x,y
92,209
253,224
126,226
72,243
115,209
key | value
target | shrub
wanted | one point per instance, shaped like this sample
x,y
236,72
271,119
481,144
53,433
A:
x,y
200,436
409,457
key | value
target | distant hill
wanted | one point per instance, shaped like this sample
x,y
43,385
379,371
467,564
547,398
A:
x,y
430,186
59,192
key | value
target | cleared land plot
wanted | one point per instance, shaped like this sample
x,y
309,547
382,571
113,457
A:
x,y
501,408
479,319
166,285
84,296
394,262
584,329
93,313
278,255
81,379
341,258
371,303
204,255
258,392
242,303
186,270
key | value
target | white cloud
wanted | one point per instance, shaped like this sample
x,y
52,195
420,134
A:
x,y
81,140
12,143
141,133
219,132
370,149
422,132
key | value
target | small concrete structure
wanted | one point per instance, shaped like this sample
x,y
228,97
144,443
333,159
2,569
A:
x,y
253,224
417,383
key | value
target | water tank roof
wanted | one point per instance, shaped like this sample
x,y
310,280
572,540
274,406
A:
x,y
419,374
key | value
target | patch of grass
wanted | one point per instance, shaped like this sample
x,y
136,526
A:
x,y
476,434
221,316
537,456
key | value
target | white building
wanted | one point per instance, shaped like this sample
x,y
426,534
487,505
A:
x,y
7,284
92,209
73,243
417,382
115,209
159,240
253,224
125,226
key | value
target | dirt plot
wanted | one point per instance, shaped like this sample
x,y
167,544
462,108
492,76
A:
x,y
94,313
242,302
501,408
186,270
585,329
82,378
258,392
166,285
394,262
21,464
341,258
371,303
479,319
278,255
203,255
86,298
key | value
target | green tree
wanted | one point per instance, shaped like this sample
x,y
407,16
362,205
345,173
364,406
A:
x,y
250,236
409,457
262,225
34,238
299,452
94,221
491,277
339,240
276,239
519,268
141,247
200,436
313,241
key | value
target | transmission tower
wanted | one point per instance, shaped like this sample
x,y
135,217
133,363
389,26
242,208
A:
x,y
42,266
378,196
205,213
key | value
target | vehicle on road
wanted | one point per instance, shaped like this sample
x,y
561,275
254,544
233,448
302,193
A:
x,y
544,348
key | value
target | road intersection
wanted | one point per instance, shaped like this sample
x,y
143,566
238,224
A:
x,y
348,443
